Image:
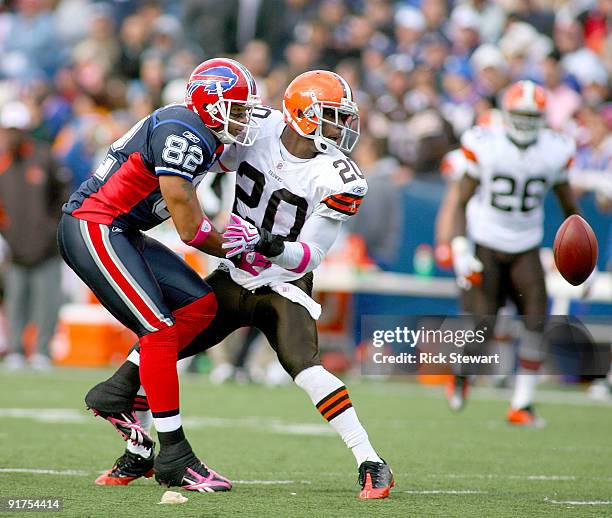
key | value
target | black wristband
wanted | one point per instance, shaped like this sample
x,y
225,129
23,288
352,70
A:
x,y
270,244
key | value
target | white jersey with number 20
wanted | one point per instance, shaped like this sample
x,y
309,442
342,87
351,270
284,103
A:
x,y
280,192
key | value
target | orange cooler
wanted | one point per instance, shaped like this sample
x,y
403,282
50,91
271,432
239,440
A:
x,y
89,336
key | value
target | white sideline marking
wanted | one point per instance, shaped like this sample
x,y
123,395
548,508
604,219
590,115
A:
x,y
46,415
512,477
270,482
302,428
544,477
73,472
81,473
269,424
474,476
553,396
275,425
446,492
578,502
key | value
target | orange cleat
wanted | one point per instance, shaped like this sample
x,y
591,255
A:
x,y
525,417
127,468
376,479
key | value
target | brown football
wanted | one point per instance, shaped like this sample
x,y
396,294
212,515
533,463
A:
x,y
575,250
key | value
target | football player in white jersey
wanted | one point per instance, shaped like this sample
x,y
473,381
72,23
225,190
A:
x,y
297,187
453,166
496,251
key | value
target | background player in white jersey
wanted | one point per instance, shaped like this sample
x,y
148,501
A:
x,y
508,173
297,187
453,167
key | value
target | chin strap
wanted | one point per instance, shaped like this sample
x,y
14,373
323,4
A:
x,y
221,135
321,145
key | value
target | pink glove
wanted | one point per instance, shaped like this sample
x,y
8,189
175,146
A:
x,y
252,262
240,235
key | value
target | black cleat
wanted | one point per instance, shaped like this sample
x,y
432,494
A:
x,y
129,467
375,479
112,395
177,466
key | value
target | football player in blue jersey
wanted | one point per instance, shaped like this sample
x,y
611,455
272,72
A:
x,y
149,175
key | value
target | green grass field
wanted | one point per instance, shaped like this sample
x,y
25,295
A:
x,y
285,462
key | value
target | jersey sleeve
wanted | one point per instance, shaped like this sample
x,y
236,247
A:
x,y
453,166
470,142
178,151
316,238
341,197
228,160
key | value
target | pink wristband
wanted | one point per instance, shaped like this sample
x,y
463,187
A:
x,y
305,259
204,229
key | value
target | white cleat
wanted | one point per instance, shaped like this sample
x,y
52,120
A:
x,y
14,362
39,362
221,373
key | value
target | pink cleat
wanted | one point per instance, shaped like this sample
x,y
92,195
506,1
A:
x,y
128,426
177,466
204,480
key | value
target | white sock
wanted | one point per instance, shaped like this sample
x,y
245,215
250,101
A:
x,y
167,424
134,357
524,388
146,420
330,396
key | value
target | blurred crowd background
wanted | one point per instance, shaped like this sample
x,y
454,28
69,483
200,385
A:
x,y
423,72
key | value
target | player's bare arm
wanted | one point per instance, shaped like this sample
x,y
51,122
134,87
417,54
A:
x,y
187,215
566,198
467,267
467,188
445,220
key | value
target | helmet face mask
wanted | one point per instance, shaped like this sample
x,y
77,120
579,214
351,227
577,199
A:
x,y
223,93
523,107
523,127
318,105
337,124
236,122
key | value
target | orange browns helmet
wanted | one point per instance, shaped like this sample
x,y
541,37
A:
x,y
318,98
523,106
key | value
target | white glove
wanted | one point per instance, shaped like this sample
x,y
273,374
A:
x,y
468,269
240,235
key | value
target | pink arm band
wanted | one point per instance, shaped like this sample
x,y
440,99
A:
x,y
305,259
204,229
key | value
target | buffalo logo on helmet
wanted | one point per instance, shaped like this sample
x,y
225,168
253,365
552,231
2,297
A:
x,y
209,79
